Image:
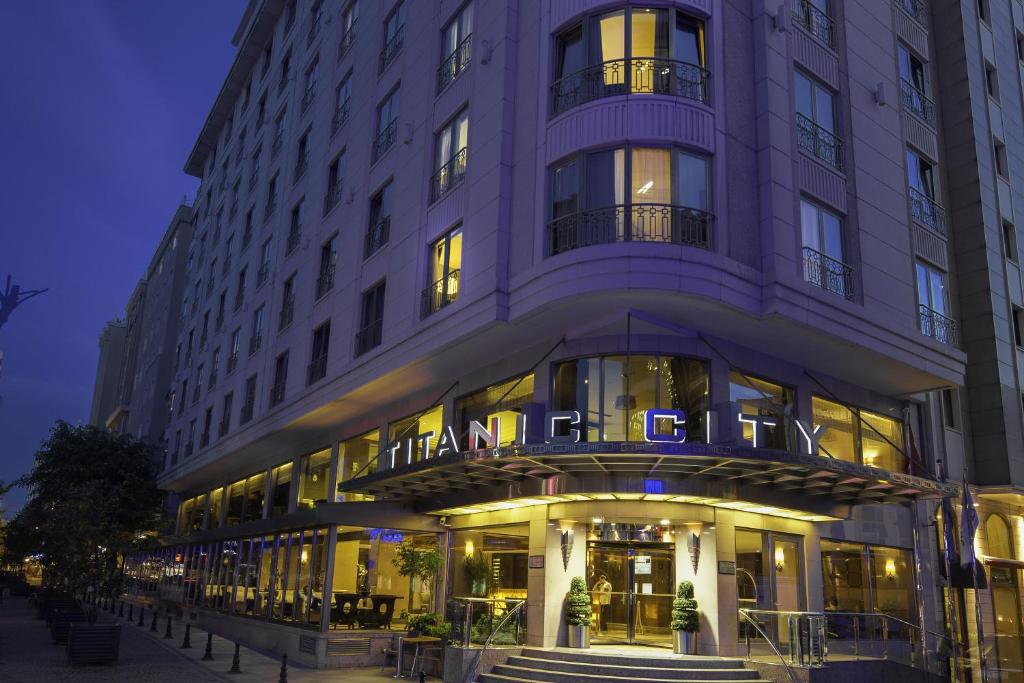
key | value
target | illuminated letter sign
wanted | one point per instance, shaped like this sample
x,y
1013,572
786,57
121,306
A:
x,y
477,432
553,418
447,443
811,436
424,440
677,420
758,422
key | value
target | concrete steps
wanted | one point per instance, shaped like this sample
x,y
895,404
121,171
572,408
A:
x,y
585,666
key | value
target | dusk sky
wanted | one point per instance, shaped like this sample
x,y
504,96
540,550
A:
x,y
101,103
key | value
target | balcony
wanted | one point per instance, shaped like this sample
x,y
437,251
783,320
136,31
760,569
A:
x,y
455,63
317,369
449,175
287,313
377,236
814,21
232,362
332,197
277,144
262,274
255,342
917,103
277,394
927,211
248,408
938,327
347,39
441,293
292,243
369,337
659,223
307,99
385,140
828,273
918,9
822,143
340,117
392,48
640,75
325,281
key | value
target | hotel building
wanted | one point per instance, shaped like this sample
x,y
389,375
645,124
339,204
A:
x,y
649,291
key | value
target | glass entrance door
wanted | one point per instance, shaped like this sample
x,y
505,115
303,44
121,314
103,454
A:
x,y
769,576
631,589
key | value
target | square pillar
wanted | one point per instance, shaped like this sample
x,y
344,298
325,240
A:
x,y
547,586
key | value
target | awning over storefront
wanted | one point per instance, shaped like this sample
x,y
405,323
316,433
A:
x,y
657,471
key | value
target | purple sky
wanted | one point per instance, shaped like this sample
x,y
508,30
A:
x,y
100,104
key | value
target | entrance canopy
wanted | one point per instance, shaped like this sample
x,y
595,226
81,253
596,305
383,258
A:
x,y
650,471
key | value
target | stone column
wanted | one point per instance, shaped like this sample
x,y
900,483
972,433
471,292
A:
x,y
548,585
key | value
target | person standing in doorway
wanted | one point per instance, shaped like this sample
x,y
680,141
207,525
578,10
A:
x,y
603,597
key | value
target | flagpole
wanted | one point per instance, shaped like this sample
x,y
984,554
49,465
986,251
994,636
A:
x,y
968,500
954,617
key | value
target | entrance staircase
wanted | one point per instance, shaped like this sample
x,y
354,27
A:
x,y
591,666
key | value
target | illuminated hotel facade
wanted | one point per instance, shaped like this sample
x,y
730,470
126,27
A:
x,y
651,291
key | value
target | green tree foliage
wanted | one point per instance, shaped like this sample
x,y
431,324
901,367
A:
x,y
577,603
684,609
416,561
92,498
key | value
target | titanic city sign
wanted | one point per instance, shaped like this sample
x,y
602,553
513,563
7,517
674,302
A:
x,y
563,427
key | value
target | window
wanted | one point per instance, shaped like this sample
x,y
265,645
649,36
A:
x,y
214,367
868,578
933,305
328,264
197,389
823,250
371,319
450,155
264,271
255,496
387,125
924,206
983,11
335,179
222,305
1010,241
225,415
314,472
234,348
1018,326
310,84
950,401
408,428
456,54
190,444
816,121
914,87
315,20
1002,165
357,457
286,71
342,103
261,111
1020,46
859,436
256,338
380,221
287,303
814,17
302,158
240,288
503,401
637,51
348,27
634,194
247,230
445,268
184,394
394,30
229,244
295,227
281,486
249,402
204,439
271,197
177,448
767,400
612,394
280,379
279,127
991,81
317,369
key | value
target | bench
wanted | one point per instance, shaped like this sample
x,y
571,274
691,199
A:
x,y
97,644
62,620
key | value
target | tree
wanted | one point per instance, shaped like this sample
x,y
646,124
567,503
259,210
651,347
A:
x,y
417,562
577,603
684,609
92,499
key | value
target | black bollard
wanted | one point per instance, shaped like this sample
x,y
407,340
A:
x,y
120,610
208,655
167,632
131,612
187,643
283,678
142,611
152,626
235,668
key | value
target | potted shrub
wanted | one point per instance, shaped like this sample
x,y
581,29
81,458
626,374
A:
x,y
685,621
577,613
475,570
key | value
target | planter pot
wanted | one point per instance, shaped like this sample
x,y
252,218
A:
x,y
579,636
684,642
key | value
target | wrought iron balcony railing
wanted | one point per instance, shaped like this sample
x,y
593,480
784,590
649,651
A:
x,y
377,236
369,337
820,142
325,281
392,48
927,211
828,273
340,116
661,223
441,293
455,63
938,326
332,197
248,408
448,176
292,243
347,39
317,369
916,102
276,393
814,21
255,342
639,75
385,140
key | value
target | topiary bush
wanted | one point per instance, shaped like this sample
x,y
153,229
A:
x,y
577,603
684,609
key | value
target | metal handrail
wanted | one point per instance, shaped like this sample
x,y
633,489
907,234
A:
x,y
487,643
746,614
630,76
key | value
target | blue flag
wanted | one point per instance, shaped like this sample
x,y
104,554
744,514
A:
x,y
968,526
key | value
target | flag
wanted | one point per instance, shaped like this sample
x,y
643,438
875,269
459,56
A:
x,y
948,539
968,526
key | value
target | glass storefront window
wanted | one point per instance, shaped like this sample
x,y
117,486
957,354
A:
x,y
407,429
839,439
216,497
236,503
255,495
761,397
357,458
860,436
892,575
844,576
490,563
882,442
313,479
503,401
597,388
280,489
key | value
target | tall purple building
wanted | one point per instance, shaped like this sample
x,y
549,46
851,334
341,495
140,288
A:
x,y
641,293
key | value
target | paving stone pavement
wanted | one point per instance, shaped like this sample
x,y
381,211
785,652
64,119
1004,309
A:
x,y
28,655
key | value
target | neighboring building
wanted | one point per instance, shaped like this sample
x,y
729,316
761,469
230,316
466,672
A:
x,y
652,291
108,368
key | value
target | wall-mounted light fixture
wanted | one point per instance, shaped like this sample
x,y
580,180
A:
x,y
780,559
470,548
890,569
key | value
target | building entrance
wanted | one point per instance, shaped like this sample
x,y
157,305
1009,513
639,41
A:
x,y
631,588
